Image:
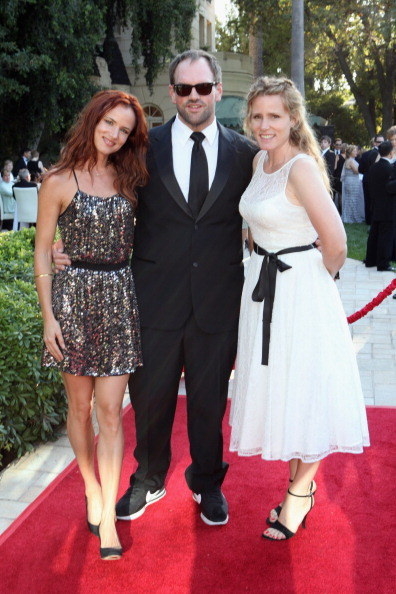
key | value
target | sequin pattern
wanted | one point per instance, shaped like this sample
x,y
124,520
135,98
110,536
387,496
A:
x,y
97,309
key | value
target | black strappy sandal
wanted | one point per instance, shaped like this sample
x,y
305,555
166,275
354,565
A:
x,y
278,508
283,529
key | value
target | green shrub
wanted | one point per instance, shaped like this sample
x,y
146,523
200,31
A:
x,y
32,398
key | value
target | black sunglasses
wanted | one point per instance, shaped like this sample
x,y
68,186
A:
x,y
202,88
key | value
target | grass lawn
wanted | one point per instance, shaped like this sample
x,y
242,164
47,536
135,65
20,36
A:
x,y
357,234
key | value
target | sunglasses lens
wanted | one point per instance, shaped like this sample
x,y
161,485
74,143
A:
x,y
204,88
185,90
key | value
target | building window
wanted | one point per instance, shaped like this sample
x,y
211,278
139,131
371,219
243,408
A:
x,y
154,116
209,35
201,31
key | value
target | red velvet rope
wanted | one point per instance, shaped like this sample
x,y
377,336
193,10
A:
x,y
376,301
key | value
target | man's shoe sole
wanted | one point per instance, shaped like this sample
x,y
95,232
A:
x,y
156,497
197,499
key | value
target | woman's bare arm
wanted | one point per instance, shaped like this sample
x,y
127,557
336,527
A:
x,y
306,187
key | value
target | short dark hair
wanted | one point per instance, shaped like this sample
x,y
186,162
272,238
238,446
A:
x,y
193,56
378,136
327,138
385,148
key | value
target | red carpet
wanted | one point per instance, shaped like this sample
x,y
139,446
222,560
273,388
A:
x,y
348,547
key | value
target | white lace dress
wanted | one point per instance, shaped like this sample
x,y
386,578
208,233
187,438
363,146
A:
x,y
307,402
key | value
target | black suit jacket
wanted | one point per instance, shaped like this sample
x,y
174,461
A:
x,y
337,173
382,201
367,159
182,265
19,164
391,185
329,158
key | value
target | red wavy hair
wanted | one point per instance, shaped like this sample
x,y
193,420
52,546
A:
x,y
129,161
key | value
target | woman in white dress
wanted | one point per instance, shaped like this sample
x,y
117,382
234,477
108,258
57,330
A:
x,y
297,392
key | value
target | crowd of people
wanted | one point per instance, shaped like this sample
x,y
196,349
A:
x,y
25,173
178,306
363,189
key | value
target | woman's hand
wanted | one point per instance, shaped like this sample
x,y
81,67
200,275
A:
x,y
53,339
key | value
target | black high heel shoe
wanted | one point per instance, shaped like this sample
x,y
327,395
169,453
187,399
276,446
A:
x,y
110,553
282,528
278,508
94,528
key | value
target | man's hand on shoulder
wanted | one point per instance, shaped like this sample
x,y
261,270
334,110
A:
x,y
59,259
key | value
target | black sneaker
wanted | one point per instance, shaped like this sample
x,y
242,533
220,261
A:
x,y
135,500
214,507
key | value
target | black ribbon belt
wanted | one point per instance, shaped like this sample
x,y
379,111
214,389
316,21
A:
x,y
265,288
106,267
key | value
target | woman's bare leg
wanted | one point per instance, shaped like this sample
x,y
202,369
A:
x,y
109,393
295,508
79,390
273,515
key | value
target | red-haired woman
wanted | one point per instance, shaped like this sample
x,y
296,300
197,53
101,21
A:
x,y
91,324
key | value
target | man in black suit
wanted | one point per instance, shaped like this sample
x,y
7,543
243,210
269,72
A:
x,y
188,275
329,158
381,236
22,162
368,159
339,151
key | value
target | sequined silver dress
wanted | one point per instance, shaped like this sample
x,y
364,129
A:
x,y
94,300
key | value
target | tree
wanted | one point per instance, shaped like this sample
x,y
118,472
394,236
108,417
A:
x,y
264,28
47,58
350,47
356,44
47,50
158,28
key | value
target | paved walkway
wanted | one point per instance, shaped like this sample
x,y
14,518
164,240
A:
x,y
375,341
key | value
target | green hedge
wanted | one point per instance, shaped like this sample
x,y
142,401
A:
x,y
32,398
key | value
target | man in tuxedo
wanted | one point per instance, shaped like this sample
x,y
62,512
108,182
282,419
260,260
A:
x,y
339,151
368,158
329,158
381,236
188,275
22,162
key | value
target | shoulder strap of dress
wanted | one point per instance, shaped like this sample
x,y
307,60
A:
x,y
75,177
260,162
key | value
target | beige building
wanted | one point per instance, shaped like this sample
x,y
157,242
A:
x,y
237,73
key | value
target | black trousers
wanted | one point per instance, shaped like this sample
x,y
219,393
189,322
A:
x,y
380,244
367,202
207,360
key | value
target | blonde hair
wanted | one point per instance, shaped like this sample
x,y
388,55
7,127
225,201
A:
x,y
349,149
391,132
301,134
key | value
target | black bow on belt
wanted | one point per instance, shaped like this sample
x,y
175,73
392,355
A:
x,y
265,288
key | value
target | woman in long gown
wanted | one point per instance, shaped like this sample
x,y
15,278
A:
x,y
91,324
352,188
297,393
